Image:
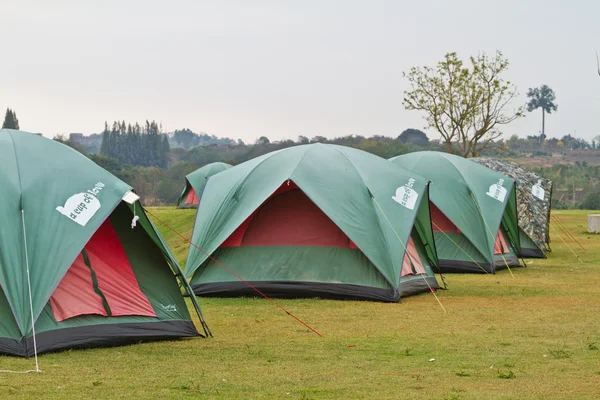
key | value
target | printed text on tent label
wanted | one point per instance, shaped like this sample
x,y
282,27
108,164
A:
x,y
406,196
538,191
81,207
497,191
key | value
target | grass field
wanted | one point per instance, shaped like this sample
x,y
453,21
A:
x,y
534,336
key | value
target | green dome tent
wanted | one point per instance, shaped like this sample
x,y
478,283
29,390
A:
x,y
73,271
473,212
314,221
534,203
195,183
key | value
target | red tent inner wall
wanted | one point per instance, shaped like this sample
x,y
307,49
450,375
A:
x,y
75,294
500,246
289,218
191,197
441,223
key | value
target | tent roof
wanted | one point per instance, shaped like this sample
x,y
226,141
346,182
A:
x,y
533,204
197,179
476,199
355,189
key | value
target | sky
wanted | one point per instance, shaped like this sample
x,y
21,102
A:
x,y
245,69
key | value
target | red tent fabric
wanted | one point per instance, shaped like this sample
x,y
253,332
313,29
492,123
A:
x,y
75,295
439,221
290,218
500,246
191,197
412,263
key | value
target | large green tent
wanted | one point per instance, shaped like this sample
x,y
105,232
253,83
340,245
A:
x,y
314,221
473,212
73,270
534,203
195,183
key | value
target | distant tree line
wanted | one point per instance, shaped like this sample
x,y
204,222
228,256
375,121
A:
x,y
10,120
136,145
188,139
575,186
162,184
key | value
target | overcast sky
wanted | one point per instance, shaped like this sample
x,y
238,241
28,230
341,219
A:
x,y
244,69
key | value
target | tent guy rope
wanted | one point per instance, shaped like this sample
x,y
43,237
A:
x,y
233,273
568,233
566,244
460,248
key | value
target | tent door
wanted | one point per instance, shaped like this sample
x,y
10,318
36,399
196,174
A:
x,y
100,282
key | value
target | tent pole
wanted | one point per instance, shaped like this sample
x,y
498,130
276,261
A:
x,y
194,301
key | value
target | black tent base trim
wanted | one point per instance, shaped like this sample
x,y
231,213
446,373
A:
x,y
532,253
460,267
296,290
512,261
104,335
418,285
469,267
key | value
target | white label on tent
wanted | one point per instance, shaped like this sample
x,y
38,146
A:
x,y
497,191
169,307
406,196
130,197
81,207
538,191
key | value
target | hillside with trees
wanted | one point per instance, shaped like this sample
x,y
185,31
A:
x,y
158,174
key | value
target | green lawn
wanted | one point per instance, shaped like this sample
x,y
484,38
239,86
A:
x,y
534,336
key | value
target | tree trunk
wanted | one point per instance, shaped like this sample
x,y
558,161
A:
x,y
449,147
543,121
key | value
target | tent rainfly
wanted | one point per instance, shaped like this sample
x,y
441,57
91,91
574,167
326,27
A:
x,y
314,220
195,183
534,202
73,270
473,212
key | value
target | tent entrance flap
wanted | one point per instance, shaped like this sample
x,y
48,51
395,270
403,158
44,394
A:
x,y
412,263
191,197
288,218
439,221
500,246
100,282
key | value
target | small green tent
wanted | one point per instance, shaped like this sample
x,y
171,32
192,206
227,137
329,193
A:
x,y
473,212
73,271
195,183
534,203
314,221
